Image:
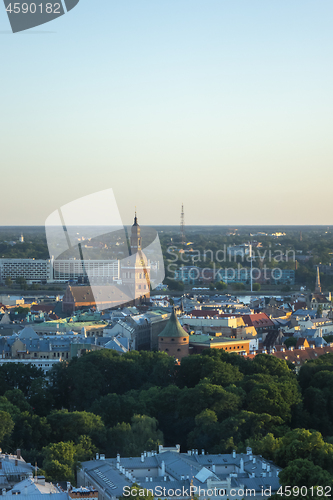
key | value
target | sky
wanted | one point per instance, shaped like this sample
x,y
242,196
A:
x,y
223,105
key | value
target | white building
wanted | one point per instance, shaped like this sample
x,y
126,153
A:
x,y
33,270
59,271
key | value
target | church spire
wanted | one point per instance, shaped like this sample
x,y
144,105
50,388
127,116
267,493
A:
x,y
318,286
135,236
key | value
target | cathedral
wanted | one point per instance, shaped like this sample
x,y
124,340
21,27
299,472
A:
x,y
131,287
135,270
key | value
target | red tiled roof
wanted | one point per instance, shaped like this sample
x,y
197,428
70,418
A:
x,y
299,356
258,320
43,307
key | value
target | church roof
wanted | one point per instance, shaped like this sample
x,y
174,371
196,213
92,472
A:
x,y
173,328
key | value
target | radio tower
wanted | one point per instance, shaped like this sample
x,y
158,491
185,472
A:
x,y
182,228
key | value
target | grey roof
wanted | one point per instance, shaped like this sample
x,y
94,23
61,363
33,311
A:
x,y
181,469
119,344
28,333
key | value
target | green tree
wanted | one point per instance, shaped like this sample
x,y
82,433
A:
x,y
17,398
220,285
145,434
8,281
22,282
303,472
18,376
60,461
290,342
256,287
69,426
302,443
6,426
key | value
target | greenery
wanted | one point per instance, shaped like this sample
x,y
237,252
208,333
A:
x,y
134,402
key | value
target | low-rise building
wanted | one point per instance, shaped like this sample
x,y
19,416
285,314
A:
x,y
170,473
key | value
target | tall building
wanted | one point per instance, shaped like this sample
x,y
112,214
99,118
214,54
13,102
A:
x,y
135,270
318,286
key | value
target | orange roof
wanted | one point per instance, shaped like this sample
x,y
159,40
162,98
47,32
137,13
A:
x,y
258,320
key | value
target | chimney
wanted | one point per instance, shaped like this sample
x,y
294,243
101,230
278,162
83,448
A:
x,y
163,468
202,452
233,453
26,490
4,491
254,460
118,465
18,453
97,456
68,486
213,468
241,465
118,458
142,457
16,462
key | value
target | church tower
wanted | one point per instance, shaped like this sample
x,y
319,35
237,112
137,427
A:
x,y
135,236
318,286
135,272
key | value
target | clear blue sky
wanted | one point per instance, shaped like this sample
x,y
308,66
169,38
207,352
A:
x,y
224,105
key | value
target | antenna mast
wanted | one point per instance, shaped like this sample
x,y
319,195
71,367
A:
x,y
182,226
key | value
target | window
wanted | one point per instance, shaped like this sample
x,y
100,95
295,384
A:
x,y
184,339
